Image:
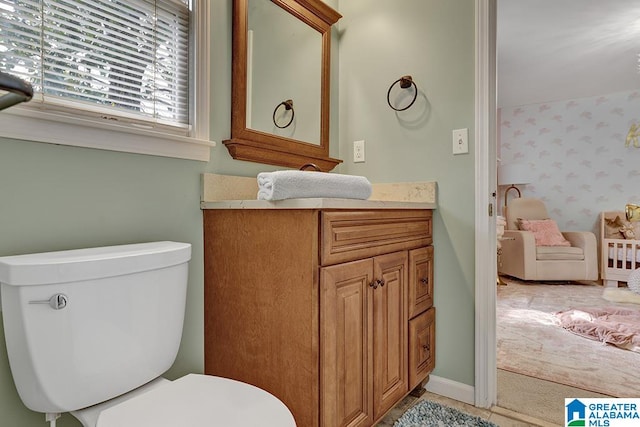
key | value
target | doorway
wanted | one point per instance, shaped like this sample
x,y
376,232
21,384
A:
x,y
619,12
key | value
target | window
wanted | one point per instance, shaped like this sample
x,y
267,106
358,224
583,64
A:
x,y
99,66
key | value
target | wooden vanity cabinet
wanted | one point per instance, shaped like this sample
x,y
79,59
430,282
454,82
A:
x,y
323,308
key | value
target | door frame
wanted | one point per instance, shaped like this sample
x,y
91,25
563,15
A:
x,y
485,388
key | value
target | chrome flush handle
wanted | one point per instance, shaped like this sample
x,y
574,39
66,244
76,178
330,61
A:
x,y
57,302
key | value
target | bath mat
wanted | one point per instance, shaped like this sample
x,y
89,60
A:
x,y
431,414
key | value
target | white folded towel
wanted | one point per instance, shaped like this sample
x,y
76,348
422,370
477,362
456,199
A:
x,y
292,184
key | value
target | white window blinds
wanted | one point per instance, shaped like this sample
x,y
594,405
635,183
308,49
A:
x,y
117,59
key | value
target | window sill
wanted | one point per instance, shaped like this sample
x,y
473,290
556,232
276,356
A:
x,y
32,125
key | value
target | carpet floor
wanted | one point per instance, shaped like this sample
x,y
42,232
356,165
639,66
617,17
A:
x,y
531,343
536,398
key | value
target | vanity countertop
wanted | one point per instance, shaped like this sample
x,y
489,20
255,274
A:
x,y
316,204
234,192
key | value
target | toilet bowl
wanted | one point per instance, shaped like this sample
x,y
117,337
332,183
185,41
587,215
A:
x,y
91,331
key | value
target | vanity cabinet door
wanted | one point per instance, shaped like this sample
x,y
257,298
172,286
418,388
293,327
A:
x,y
420,280
422,347
346,343
390,342
364,339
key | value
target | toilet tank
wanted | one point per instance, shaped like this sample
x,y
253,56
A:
x,y
84,326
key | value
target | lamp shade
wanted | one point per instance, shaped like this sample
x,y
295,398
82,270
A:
x,y
513,174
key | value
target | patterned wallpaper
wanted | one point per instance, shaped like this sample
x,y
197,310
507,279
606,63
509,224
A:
x,y
576,154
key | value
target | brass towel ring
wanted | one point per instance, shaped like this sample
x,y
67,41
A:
x,y
405,83
288,105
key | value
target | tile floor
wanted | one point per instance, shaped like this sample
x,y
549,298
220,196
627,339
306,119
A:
x,y
499,416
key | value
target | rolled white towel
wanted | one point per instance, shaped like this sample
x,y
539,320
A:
x,y
293,184
500,220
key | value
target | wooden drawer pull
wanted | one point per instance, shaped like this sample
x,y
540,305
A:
x,y
424,281
426,347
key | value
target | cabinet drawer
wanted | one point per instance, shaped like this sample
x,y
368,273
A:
x,y
422,347
347,236
420,280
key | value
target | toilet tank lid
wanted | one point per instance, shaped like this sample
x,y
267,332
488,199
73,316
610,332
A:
x,y
91,263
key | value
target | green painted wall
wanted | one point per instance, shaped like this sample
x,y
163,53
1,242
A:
x,y
54,197
433,41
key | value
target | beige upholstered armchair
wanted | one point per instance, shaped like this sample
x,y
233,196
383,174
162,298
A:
x,y
573,255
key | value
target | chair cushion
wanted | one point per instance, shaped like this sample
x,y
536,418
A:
x,y
551,253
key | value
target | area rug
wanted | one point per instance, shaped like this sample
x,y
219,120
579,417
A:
x,y
431,414
531,342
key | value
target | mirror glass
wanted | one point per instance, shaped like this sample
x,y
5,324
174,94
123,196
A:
x,y
286,55
280,103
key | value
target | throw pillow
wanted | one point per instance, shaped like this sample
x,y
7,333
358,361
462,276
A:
x,y
545,231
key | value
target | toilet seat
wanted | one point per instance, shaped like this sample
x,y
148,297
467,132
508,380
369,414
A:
x,y
199,401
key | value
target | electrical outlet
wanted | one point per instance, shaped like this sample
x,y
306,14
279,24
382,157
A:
x,y
460,141
358,151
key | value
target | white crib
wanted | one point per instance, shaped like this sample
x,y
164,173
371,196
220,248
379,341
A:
x,y
618,256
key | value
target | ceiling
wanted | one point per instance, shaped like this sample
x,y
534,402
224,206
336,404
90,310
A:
x,y
550,50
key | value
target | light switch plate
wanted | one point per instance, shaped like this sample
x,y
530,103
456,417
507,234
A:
x,y
460,141
358,151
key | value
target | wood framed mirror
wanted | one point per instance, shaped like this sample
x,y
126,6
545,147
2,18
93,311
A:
x,y
266,69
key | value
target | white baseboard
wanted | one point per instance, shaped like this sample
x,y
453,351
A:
x,y
451,389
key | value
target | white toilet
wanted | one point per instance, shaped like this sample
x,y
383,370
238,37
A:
x,y
90,331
